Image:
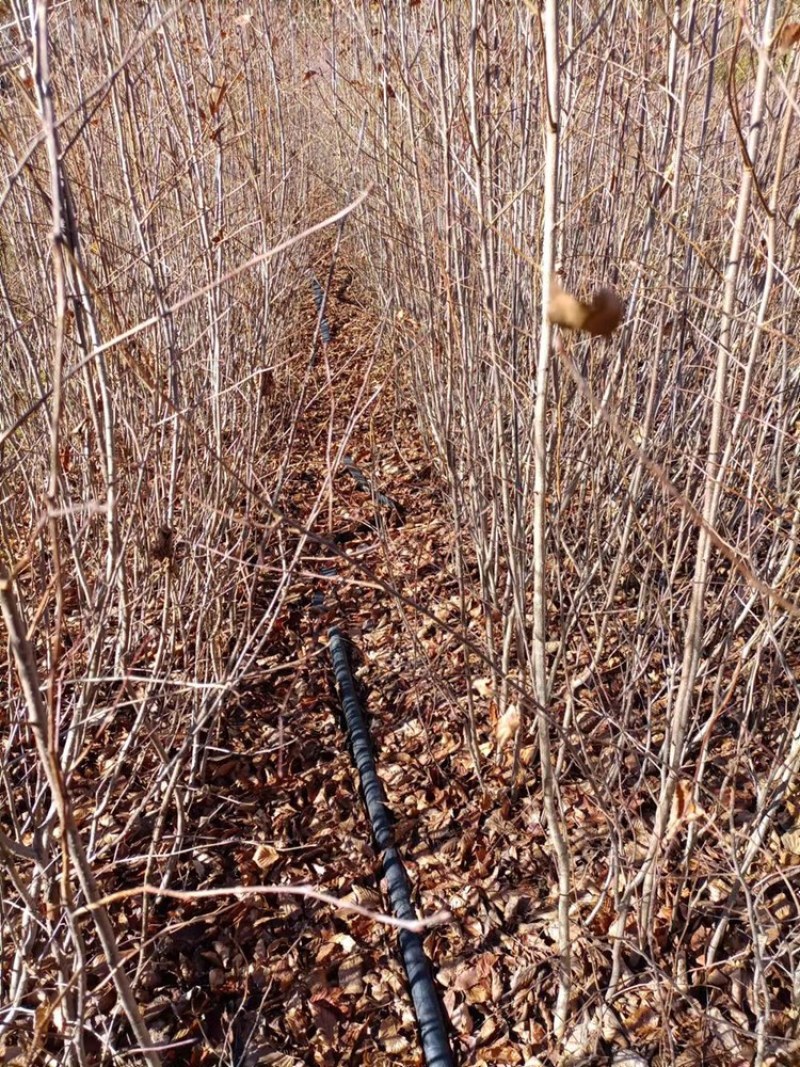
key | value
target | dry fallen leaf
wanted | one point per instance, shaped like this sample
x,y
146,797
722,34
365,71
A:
x,y
507,727
484,687
265,856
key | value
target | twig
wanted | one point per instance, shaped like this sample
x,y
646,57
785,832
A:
x,y
242,892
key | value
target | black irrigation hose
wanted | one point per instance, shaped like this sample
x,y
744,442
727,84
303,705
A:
x,y
320,301
364,484
430,1019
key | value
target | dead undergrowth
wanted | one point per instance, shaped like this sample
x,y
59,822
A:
x,y
182,524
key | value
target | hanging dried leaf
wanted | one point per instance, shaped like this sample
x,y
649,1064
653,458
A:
x,y
216,96
600,318
789,37
684,810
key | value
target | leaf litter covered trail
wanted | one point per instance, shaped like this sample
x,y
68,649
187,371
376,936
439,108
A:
x,y
289,980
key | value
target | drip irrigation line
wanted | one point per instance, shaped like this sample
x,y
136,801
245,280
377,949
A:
x,y
428,1010
364,484
321,301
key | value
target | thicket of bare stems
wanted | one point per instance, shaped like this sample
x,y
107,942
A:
x,y
625,513
668,564
149,408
